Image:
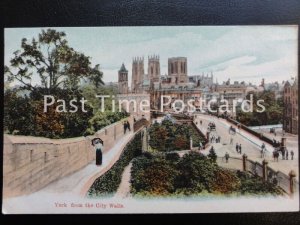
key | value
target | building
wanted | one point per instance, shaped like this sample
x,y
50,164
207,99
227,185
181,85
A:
x,y
230,92
137,74
123,80
136,104
177,84
202,80
290,114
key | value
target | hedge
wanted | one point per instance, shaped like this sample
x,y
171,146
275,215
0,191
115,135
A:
x,y
109,182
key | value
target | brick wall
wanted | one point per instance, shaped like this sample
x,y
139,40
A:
x,y
31,163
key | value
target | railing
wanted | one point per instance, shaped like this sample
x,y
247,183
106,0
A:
x,y
255,133
286,182
140,123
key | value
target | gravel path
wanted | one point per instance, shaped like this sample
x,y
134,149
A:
x,y
124,188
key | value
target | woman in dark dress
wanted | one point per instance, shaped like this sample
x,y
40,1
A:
x,y
98,145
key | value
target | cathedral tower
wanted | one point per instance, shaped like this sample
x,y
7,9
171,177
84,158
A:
x,y
177,69
137,74
153,68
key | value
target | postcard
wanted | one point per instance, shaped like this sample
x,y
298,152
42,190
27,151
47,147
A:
x,y
160,119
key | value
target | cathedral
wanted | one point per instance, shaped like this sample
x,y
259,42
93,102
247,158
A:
x,y
176,83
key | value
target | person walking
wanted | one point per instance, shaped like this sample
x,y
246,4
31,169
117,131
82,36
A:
x,y
226,157
128,125
125,126
287,155
98,145
237,147
283,153
240,148
292,154
231,140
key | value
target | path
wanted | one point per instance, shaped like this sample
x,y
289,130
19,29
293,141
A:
x,y
75,185
124,188
250,144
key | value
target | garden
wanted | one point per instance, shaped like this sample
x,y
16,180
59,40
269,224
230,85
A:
x,y
169,136
193,174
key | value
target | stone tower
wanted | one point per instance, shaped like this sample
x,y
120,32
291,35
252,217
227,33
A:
x,y
177,69
137,74
123,80
153,68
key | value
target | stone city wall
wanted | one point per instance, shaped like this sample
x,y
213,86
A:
x,y
31,163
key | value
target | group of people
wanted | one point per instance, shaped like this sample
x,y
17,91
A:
x,y
284,152
215,139
126,126
238,148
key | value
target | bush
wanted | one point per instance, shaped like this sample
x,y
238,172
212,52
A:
x,y
256,185
169,136
194,173
212,154
109,182
155,177
225,182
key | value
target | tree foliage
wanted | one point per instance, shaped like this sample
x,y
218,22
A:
x,y
193,174
273,113
60,69
169,137
54,61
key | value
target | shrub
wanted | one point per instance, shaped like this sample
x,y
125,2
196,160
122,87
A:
x,y
154,176
212,154
109,182
225,182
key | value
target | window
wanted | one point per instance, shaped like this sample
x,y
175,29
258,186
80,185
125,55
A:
x,y
151,70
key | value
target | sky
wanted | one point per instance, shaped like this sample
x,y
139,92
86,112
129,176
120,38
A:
x,y
241,53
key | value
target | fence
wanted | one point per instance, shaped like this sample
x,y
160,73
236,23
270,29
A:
x,y
140,123
255,133
285,182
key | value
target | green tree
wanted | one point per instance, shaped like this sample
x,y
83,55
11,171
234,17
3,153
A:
x,y
54,61
18,114
196,172
273,113
212,154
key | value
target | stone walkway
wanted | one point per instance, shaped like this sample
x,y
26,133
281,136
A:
x,y
75,185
